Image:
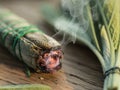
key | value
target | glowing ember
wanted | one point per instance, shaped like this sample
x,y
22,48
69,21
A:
x,y
50,61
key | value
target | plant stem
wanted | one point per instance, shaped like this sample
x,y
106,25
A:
x,y
93,28
112,82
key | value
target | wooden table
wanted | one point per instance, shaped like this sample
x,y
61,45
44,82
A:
x,y
81,69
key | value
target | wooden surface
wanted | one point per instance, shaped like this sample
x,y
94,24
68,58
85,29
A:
x,y
81,69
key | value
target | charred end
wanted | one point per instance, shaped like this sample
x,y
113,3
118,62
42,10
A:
x,y
50,60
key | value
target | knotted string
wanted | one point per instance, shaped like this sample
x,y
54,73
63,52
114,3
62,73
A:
x,y
19,32
112,71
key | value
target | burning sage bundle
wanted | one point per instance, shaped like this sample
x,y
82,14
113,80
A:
x,y
96,23
36,49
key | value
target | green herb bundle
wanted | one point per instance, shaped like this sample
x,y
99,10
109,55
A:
x,y
96,23
25,87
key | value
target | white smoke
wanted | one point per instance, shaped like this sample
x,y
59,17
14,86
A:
x,y
68,29
78,11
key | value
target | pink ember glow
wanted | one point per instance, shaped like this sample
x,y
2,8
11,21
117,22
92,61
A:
x,y
51,60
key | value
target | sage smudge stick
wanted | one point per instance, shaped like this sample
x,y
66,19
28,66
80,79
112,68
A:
x,y
36,49
96,23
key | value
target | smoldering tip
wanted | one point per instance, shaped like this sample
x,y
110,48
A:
x,y
50,61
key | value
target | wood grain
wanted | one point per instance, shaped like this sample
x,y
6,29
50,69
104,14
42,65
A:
x,y
81,69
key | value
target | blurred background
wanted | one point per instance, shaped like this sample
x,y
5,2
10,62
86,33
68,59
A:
x,y
81,69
